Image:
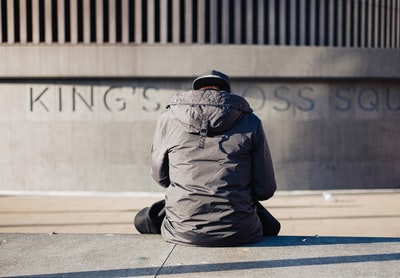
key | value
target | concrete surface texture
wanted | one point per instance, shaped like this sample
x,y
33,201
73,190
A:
x,y
96,135
187,61
324,234
77,255
368,213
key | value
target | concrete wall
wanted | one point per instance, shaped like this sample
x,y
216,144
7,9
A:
x,y
334,126
187,61
83,82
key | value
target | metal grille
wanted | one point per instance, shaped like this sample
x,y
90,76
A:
x,y
329,23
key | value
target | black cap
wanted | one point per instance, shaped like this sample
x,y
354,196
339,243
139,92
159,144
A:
x,y
210,78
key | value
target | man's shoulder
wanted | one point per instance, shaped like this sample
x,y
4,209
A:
x,y
253,117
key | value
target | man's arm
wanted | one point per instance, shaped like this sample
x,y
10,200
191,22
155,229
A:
x,y
159,154
263,176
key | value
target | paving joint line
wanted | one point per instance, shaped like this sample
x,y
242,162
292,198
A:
x,y
166,259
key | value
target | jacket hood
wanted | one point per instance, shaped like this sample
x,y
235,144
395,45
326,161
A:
x,y
208,111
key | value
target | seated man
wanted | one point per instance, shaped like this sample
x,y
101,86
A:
x,y
210,152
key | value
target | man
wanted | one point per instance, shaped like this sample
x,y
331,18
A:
x,y
210,152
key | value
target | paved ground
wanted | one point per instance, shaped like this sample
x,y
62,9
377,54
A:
x,y
96,255
345,235
368,213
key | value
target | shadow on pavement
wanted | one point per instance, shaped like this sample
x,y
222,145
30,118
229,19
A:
x,y
319,240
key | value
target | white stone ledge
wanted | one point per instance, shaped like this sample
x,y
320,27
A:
x,y
186,61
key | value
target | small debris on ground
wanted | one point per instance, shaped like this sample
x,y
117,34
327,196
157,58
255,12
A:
x,y
329,197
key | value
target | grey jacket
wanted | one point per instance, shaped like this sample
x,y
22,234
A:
x,y
211,153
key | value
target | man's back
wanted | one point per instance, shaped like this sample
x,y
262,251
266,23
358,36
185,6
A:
x,y
210,151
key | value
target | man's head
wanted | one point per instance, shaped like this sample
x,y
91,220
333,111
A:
x,y
212,79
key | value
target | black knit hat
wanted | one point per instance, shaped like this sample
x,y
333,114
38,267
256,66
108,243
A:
x,y
210,78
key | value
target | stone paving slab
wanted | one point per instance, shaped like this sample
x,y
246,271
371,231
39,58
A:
x,y
96,255
291,256
93,236
81,255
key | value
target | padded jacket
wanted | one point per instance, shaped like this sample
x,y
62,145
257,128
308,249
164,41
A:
x,y
210,152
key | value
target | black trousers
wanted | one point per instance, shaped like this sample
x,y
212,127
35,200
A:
x,y
149,219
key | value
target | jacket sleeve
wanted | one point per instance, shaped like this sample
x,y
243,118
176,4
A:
x,y
159,153
263,176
